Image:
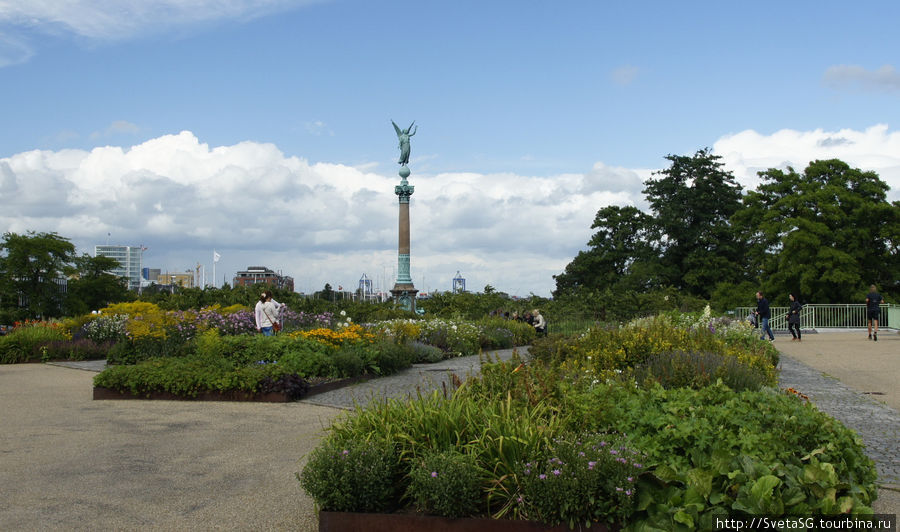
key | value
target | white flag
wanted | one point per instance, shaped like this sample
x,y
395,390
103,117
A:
x,y
216,256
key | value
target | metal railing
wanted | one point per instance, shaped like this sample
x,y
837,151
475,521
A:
x,y
814,316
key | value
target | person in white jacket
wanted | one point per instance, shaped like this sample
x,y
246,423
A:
x,y
266,314
540,324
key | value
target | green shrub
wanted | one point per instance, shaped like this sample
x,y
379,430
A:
x,y
580,480
389,358
352,476
448,484
696,370
711,451
24,343
348,363
309,364
425,354
553,349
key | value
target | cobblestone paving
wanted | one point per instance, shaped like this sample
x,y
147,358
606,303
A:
x,y
876,423
422,378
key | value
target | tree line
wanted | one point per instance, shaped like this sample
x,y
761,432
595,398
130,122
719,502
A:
x,y
824,234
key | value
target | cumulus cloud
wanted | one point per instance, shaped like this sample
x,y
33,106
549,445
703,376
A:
x,y
749,152
317,222
885,78
331,223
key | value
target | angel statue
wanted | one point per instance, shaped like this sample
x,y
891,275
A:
x,y
403,135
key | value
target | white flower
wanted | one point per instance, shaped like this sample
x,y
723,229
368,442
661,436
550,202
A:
x,y
349,319
343,313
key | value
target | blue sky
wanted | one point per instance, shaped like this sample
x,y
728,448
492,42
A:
x,y
538,113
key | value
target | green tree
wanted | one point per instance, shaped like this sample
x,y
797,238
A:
x,y
93,287
827,233
620,254
32,267
692,203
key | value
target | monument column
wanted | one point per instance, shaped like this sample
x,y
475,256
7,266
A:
x,y
404,292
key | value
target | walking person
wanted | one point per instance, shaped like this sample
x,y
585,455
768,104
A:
x,y
793,318
764,314
873,300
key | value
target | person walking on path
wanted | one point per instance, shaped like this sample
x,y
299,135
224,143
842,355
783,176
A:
x,y
762,310
873,300
793,318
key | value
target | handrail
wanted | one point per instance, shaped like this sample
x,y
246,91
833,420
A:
x,y
829,316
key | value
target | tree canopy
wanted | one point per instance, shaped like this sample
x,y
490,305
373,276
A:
x,y
824,234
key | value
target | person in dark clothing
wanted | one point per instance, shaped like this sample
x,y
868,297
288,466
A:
x,y
873,300
762,310
793,318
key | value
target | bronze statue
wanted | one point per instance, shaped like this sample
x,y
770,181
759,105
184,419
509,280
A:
x,y
403,135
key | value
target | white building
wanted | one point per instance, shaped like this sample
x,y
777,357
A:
x,y
129,258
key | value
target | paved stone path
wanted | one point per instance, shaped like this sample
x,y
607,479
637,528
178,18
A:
x,y
408,383
877,424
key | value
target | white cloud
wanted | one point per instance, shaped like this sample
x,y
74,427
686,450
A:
x,y
117,19
317,222
749,152
843,76
331,223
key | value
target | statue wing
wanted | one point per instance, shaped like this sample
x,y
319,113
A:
x,y
397,129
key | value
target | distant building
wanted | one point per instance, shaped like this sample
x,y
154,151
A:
x,y
182,279
459,284
151,274
262,275
129,258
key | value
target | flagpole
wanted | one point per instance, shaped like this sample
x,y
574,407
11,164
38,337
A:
x,y
215,260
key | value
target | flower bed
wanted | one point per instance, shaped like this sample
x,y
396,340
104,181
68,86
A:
x,y
535,441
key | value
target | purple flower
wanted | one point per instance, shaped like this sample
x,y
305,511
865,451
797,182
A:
x,y
434,474
619,489
630,479
556,472
542,476
613,451
638,466
591,465
628,492
603,444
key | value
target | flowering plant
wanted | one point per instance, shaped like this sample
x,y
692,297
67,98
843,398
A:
x,y
448,484
352,476
580,481
347,335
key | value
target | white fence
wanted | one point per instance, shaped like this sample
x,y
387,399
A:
x,y
849,316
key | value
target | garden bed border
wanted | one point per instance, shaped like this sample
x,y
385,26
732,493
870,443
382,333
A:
x,y
352,522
